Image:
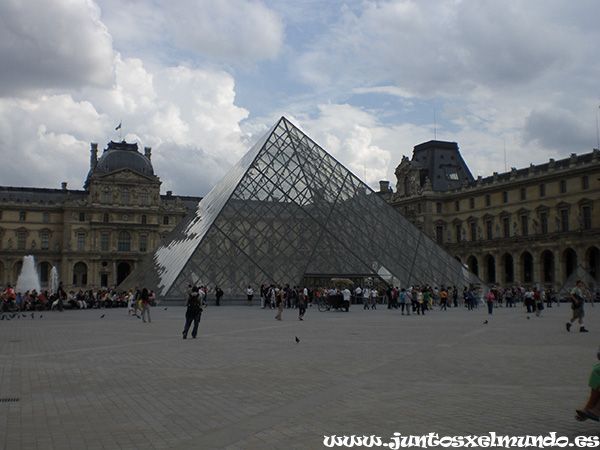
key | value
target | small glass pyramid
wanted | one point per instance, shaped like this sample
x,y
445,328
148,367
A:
x,y
287,213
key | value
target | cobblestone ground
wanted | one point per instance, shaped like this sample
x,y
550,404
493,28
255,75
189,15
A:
x,y
76,380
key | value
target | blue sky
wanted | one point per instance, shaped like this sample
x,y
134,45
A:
x,y
200,81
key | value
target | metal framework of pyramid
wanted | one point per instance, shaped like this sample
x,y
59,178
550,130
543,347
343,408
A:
x,y
287,212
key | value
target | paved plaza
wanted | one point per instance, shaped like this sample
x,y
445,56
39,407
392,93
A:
x,y
76,380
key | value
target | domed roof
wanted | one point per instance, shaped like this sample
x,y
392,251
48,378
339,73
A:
x,y
121,155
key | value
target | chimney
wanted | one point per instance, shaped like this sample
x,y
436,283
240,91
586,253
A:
x,y
148,152
384,186
64,185
94,158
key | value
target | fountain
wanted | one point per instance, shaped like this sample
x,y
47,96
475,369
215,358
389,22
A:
x,y
54,280
28,278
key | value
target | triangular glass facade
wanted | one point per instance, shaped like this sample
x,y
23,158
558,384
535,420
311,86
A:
x,y
286,211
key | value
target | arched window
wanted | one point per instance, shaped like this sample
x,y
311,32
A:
x,y
123,242
80,274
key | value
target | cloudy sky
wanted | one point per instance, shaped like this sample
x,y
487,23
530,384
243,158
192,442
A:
x,y
513,82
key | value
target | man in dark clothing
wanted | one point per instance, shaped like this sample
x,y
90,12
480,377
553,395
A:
x,y
193,313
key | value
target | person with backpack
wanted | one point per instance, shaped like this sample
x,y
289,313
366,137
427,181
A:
x,y
577,302
193,313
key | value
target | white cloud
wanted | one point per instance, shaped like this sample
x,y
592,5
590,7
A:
x,y
225,29
53,44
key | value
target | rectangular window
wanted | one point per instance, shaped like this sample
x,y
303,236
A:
x,y
438,208
22,216
125,196
542,190
458,233
544,222
21,240
524,227
143,243
488,229
45,241
104,242
439,234
472,203
563,186
106,197
523,194
564,220
473,227
80,241
144,198
585,182
587,217
488,200
506,227
457,205
505,197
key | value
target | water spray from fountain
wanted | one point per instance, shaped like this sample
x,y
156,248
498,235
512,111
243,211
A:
x,y
54,280
29,278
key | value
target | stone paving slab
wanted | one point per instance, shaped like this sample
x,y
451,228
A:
x,y
83,381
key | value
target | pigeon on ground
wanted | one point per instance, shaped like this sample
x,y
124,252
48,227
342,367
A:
x,y
527,317
297,340
485,323
166,309
102,316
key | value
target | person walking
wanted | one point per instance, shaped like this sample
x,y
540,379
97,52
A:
x,y
577,302
145,297
193,313
301,303
279,302
490,302
219,294
250,294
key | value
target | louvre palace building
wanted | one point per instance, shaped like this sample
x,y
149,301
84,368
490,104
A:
x,y
533,226
96,236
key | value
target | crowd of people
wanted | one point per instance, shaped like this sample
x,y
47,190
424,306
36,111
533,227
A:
x,y
135,300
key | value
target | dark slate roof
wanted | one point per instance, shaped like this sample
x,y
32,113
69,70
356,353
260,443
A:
x,y
37,195
121,155
443,164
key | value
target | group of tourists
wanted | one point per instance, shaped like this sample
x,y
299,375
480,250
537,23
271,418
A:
x,y
135,300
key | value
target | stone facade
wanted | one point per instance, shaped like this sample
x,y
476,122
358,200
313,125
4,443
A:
x,y
530,226
96,236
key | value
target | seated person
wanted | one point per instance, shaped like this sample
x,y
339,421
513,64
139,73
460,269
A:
x,y
592,408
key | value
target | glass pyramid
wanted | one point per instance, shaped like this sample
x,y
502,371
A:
x,y
286,213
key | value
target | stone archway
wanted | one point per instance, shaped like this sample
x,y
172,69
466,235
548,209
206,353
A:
x,y
508,268
569,262
526,267
473,265
123,270
548,266
593,262
490,269
80,274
